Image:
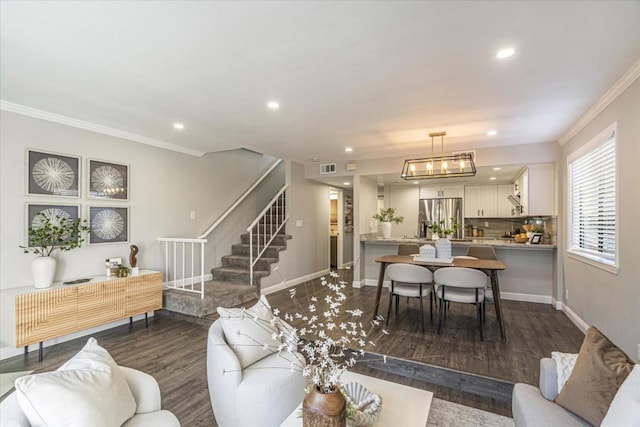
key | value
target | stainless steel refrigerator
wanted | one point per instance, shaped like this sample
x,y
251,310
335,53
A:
x,y
435,210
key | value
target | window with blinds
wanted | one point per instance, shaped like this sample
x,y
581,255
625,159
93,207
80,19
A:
x,y
593,201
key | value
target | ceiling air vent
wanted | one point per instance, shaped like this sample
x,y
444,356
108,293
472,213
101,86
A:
x,y
328,168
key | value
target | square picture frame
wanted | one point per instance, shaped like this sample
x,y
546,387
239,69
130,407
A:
x,y
71,211
109,224
107,180
536,239
52,174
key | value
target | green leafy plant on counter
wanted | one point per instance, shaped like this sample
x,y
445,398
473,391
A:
x,y
388,215
537,230
439,230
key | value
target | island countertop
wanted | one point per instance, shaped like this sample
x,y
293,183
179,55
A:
x,y
501,243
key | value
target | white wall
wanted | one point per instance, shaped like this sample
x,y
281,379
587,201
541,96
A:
x,y
367,206
308,251
164,187
405,199
608,301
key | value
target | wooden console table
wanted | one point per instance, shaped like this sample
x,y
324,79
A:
x,y
42,314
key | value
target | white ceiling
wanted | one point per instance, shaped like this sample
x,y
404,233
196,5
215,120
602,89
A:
x,y
377,76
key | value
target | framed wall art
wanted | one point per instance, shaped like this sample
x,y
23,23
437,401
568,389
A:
x,y
52,174
65,212
108,180
109,224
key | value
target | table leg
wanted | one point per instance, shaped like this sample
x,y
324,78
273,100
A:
x,y
383,267
497,302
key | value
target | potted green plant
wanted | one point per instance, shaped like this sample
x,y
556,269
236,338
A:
x,y
386,217
441,231
52,232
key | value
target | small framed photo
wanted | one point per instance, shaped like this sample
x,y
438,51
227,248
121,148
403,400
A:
x,y
109,224
54,213
536,238
52,174
108,180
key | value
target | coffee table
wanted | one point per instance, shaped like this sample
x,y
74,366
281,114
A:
x,y
401,405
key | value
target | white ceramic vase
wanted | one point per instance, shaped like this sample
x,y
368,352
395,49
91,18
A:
x,y
43,268
443,248
386,230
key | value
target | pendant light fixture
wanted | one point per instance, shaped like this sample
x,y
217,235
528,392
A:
x,y
449,166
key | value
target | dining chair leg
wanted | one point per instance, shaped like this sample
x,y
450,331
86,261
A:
x,y
431,298
422,314
397,304
440,313
479,319
389,310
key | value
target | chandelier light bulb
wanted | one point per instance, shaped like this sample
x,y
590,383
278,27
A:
x,y
412,168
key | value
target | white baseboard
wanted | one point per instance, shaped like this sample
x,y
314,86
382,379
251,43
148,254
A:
x,y
188,281
288,283
374,282
557,304
513,296
581,324
8,351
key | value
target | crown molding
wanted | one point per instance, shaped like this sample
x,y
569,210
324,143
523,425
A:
x,y
70,121
609,96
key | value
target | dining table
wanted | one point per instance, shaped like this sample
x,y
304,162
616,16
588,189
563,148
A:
x,y
489,266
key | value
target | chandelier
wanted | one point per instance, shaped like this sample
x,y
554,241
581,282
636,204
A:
x,y
449,166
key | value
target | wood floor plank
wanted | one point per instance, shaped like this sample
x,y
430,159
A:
x,y
174,351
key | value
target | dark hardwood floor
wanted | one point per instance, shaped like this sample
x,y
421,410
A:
x,y
174,350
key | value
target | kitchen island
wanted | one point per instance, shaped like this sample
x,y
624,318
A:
x,y
530,273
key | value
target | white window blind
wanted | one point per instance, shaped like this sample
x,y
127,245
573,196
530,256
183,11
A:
x,y
592,200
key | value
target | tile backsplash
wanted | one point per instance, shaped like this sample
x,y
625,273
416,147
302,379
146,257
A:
x,y
498,227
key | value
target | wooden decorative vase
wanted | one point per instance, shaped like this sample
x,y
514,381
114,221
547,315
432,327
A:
x,y
324,409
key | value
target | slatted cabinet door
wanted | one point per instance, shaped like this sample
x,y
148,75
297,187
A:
x,y
45,315
143,294
101,303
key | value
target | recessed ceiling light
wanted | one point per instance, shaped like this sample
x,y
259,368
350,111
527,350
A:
x,y
415,182
273,105
178,126
346,183
493,178
497,169
348,149
505,53
492,132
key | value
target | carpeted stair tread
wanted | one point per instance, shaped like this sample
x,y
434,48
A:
x,y
235,270
246,257
216,294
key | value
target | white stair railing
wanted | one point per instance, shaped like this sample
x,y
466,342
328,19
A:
x,y
181,254
265,227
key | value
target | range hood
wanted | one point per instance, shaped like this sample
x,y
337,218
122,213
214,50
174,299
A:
x,y
515,200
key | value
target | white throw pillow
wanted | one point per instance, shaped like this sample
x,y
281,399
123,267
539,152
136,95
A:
x,y
251,333
624,410
88,390
564,366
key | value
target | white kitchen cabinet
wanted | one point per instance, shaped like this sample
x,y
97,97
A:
x,y
505,207
441,191
538,190
481,201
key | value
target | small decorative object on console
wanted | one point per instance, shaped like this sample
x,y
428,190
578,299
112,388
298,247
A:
x,y
133,261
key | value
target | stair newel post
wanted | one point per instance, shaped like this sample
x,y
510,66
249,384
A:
x,y
251,256
202,269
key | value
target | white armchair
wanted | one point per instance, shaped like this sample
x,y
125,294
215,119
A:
x,y
144,388
261,395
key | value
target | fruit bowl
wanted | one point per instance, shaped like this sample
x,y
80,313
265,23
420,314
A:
x,y
520,239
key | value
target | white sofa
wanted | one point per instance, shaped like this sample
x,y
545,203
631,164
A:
x,y
261,395
144,388
534,407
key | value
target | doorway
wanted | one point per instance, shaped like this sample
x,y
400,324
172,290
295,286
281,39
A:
x,y
336,225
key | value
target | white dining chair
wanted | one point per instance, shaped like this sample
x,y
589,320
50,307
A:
x,y
464,285
412,281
